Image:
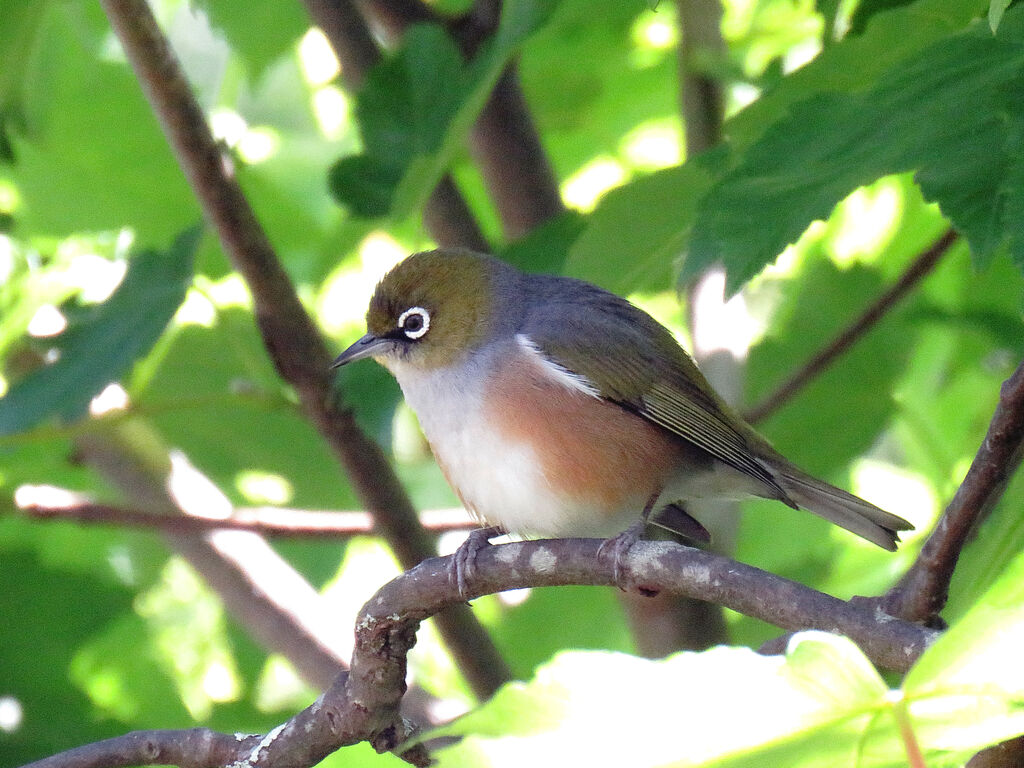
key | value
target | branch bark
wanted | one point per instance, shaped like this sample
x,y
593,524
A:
x,y
296,348
193,748
266,521
364,705
923,590
920,268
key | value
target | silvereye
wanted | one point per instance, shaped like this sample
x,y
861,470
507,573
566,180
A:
x,y
556,408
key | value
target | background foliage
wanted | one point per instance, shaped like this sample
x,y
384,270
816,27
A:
x,y
857,133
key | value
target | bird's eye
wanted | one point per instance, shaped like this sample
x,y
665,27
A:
x,y
414,322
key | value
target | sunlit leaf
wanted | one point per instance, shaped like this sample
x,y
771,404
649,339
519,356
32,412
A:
x,y
259,32
948,112
100,348
95,158
416,108
996,9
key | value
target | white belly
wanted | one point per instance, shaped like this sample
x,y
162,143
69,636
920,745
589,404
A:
x,y
501,482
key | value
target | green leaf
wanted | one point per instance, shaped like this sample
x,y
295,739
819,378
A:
x,y
545,248
131,687
22,22
260,31
51,614
996,9
92,156
102,347
598,623
416,108
366,185
626,251
948,112
236,417
693,707
999,541
824,704
819,304
866,9
967,690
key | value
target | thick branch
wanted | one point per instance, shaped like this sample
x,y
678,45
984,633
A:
x,y
700,37
516,170
266,521
295,346
1009,754
922,592
364,705
195,748
917,271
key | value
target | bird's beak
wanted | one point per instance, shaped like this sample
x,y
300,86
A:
x,y
368,346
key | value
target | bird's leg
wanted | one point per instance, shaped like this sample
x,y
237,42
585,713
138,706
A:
x,y
621,543
463,563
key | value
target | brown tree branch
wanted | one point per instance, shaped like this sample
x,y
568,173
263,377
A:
x,y
364,705
446,213
295,346
266,521
193,748
917,271
923,590
700,35
1009,754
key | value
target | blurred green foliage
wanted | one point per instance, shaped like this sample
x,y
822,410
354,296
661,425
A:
x,y
855,133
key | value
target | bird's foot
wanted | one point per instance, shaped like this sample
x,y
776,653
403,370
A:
x,y
617,546
462,566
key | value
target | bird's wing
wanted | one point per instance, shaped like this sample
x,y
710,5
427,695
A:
x,y
630,359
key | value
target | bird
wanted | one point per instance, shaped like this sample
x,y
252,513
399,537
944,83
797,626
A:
x,y
555,408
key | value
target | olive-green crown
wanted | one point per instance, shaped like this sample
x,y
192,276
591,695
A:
x,y
453,286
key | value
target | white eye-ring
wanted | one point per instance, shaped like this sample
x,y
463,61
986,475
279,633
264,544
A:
x,y
414,322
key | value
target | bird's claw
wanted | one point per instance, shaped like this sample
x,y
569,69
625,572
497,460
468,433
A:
x,y
462,567
618,546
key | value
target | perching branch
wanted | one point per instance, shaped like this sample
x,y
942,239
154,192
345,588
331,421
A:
x,y
192,748
266,521
296,348
364,705
1009,754
917,271
923,590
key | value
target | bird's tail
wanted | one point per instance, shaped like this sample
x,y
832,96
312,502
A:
x,y
844,509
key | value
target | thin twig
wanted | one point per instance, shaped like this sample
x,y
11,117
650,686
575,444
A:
x,y
364,705
266,521
923,590
257,587
295,346
917,271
